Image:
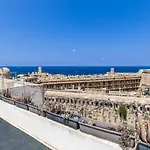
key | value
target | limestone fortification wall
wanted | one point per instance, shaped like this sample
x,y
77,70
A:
x,y
98,110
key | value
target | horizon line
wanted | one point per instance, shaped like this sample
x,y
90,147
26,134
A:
x,y
74,66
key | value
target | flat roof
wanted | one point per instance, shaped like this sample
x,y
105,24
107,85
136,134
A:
x,y
18,83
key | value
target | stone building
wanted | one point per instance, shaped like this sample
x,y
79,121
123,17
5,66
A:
x,y
115,84
111,81
5,72
145,80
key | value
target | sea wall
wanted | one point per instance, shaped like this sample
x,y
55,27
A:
x,y
50,133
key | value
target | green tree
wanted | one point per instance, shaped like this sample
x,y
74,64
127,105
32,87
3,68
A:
x,y
123,112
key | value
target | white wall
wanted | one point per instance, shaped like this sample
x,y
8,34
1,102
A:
x,y
7,84
36,93
52,134
17,89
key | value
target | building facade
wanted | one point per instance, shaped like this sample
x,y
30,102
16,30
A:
x,y
115,84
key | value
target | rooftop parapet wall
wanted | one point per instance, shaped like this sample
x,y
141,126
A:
x,y
52,134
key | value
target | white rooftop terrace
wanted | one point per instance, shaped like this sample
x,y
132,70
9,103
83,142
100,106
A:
x,y
50,133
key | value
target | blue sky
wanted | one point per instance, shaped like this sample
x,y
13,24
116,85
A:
x,y
75,32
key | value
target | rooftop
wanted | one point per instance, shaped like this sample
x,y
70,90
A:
x,y
13,138
50,133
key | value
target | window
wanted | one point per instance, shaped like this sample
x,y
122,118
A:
x,y
96,103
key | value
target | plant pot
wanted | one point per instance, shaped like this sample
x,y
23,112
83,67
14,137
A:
x,y
8,100
21,105
55,117
33,109
42,113
71,123
101,133
142,146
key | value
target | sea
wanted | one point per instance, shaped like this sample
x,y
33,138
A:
x,y
74,70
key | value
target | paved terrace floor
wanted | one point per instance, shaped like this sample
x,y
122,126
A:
x,y
12,138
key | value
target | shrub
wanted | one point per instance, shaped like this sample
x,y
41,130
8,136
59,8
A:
x,y
123,112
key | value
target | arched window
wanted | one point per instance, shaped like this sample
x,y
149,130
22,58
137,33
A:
x,y
96,103
110,105
75,101
83,102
